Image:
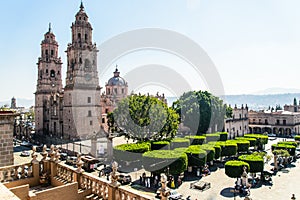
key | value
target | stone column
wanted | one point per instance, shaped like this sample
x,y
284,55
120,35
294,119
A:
x,y
109,148
7,119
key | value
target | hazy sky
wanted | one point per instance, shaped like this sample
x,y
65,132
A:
x,y
254,44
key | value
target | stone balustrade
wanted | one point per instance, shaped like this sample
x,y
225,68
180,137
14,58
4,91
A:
x,y
125,194
97,186
15,172
65,173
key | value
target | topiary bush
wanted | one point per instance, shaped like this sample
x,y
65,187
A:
x,y
227,148
251,140
130,152
196,155
288,143
297,137
157,145
223,136
212,137
196,139
256,162
158,160
260,139
179,142
210,151
235,168
242,145
217,149
290,148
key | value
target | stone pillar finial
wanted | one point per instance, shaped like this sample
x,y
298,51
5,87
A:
x,y
34,156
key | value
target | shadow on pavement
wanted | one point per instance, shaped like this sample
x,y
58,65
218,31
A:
x,y
228,192
21,148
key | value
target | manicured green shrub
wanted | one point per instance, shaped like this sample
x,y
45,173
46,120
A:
x,y
223,136
212,137
130,152
227,148
251,140
256,162
157,145
235,168
196,139
290,148
288,143
297,137
217,149
210,151
242,145
179,142
157,161
260,139
196,155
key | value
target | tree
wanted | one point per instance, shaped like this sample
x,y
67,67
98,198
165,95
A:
x,y
200,110
144,118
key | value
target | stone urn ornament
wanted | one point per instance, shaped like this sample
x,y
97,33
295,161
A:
x,y
52,153
164,190
44,153
114,174
79,164
34,156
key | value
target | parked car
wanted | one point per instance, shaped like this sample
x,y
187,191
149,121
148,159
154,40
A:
x,y
124,178
26,144
105,171
271,135
174,195
89,163
25,153
63,156
71,160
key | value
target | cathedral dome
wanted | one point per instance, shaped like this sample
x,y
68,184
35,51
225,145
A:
x,y
116,79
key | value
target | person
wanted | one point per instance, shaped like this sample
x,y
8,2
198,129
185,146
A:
x,y
293,197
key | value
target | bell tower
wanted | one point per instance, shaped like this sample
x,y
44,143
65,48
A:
x,y
49,81
82,90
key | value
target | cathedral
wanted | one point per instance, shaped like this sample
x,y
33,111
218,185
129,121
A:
x,y
78,109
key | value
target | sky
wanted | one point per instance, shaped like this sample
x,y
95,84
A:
x,y
253,44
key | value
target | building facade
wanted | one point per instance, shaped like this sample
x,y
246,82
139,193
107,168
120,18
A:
x,y
238,124
73,111
281,122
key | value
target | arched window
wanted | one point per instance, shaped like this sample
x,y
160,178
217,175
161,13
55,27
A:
x,y
46,52
52,52
79,36
85,37
52,73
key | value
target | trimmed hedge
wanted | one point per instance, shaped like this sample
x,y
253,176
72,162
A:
x,y
158,160
234,168
290,148
223,136
227,148
256,162
130,152
210,151
251,140
260,139
217,148
288,143
196,155
157,145
212,137
179,142
196,139
297,137
242,145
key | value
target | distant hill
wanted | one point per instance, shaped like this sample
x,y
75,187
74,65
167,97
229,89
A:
x,y
277,91
255,102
